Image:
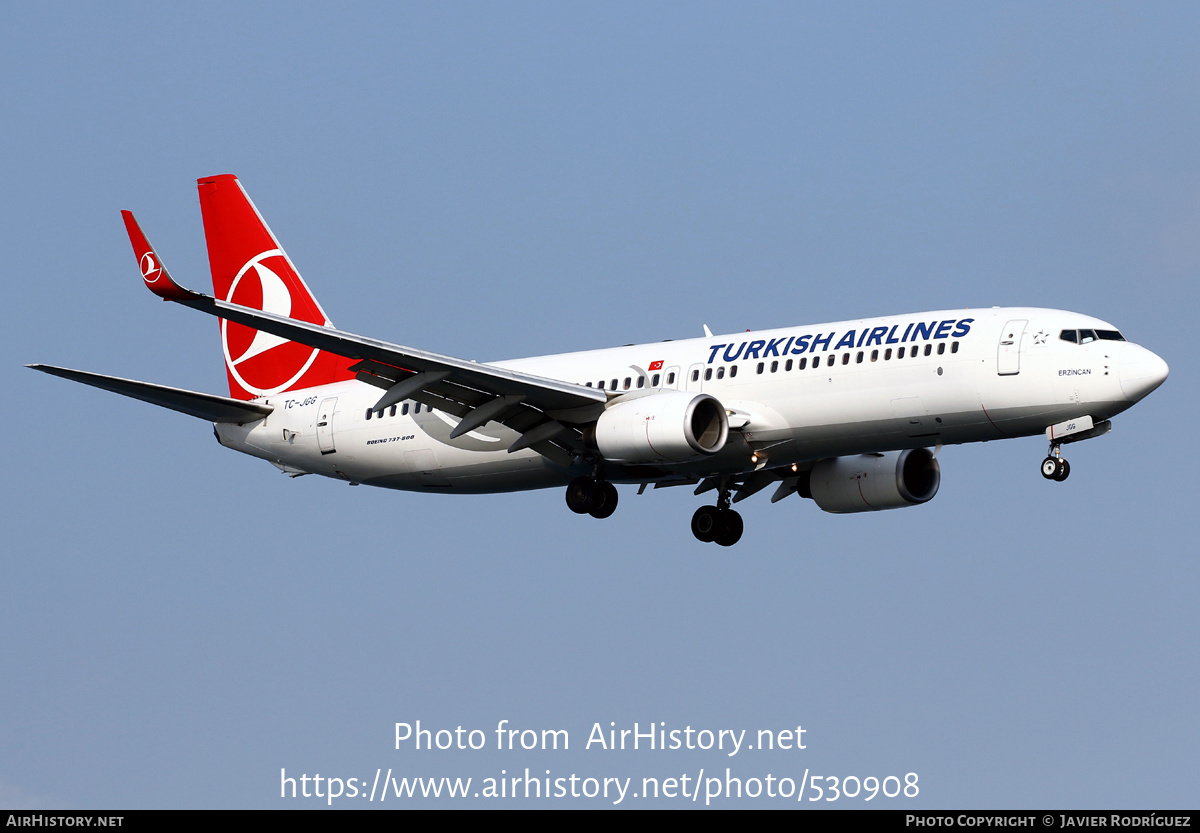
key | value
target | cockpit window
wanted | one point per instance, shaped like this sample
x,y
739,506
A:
x,y
1085,336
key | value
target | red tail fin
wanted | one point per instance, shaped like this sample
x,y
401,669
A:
x,y
250,268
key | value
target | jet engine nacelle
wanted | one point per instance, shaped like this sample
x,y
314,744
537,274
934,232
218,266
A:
x,y
869,482
666,427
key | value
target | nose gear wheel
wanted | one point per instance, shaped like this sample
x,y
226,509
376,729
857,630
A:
x,y
1055,466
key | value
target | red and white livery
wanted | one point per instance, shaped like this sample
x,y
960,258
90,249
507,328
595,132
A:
x,y
850,414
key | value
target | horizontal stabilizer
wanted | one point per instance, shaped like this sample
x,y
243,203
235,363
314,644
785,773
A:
x,y
206,406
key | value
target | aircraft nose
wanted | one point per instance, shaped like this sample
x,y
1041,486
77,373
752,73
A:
x,y
1141,373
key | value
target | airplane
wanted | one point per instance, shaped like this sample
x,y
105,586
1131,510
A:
x,y
850,414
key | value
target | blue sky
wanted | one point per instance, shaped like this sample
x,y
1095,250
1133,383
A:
x,y
179,623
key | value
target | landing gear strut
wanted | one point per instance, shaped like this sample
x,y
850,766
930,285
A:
x,y
1055,466
718,524
589,496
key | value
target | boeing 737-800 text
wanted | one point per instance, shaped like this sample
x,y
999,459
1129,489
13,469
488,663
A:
x,y
844,413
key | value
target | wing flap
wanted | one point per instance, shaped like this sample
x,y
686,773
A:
x,y
455,386
460,385
540,392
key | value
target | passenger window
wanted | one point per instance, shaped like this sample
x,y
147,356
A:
x,y
589,384
804,363
816,361
404,409
732,371
760,367
721,372
887,355
774,366
954,347
369,412
846,358
627,381
695,375
900,352
614,384
941,348
654,382
670,378
707,373
788,366
641,381
874,355
392,411
860,357
928,349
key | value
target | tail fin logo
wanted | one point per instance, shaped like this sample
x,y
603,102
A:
x,y
151,271
264,364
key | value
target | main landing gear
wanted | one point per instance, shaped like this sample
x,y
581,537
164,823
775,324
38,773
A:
x,y
589,496
1055,466
718,524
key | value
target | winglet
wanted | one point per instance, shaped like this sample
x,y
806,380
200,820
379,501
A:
x,y
156,276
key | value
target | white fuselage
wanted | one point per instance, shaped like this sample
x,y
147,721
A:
x,y
965,376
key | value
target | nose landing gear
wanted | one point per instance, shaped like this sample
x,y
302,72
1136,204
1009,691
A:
x,y
1055,466
718,524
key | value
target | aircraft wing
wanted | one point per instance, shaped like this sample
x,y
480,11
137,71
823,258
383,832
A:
x,y
540,409
206,406
382,358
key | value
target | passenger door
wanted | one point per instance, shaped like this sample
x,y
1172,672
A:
x,y
325,413
1008,351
